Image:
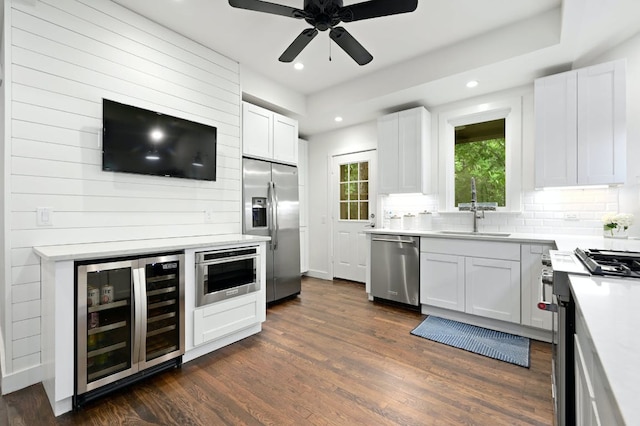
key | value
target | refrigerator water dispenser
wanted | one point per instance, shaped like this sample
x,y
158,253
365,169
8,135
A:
x,y
259,212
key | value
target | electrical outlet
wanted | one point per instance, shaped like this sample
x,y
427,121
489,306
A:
x,y
570,216
208,216
44,216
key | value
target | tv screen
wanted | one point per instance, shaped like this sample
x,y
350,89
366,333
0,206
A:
x,y
137,140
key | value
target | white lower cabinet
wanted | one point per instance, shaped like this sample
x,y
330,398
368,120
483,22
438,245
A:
x,y
472,276
442,280
219,319
493,288
586,409
594,400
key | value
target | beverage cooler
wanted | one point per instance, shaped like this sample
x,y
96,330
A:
x,y
129,323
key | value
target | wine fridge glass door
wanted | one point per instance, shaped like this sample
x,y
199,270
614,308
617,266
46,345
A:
x,y
105,323
162,309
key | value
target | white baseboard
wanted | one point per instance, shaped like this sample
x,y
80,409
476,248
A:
x,y
21,379
323,275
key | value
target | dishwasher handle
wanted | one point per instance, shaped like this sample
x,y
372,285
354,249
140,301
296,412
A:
x,y
389,240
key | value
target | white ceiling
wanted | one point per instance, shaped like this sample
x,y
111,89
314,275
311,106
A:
x,y
420,58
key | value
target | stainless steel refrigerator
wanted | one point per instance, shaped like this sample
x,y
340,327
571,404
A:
x,y
270,202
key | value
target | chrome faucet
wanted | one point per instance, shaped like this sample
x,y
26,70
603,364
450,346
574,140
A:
x,y
474,206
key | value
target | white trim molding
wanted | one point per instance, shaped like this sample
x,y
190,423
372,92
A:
x,y
511,110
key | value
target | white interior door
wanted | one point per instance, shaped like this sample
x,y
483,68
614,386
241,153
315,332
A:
x,y
353,192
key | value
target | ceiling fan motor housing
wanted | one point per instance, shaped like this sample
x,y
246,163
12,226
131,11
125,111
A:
x,y
323,14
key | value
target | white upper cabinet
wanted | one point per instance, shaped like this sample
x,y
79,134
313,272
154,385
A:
x,y
268,135
580,121
404,152
285,139
602,138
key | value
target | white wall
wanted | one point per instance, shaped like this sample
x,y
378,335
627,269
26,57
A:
x,y
3,252
63,57
322,148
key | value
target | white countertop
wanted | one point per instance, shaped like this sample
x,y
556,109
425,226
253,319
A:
x,y
563,242
611,309
133,247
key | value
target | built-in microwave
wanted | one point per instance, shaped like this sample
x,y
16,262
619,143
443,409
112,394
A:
x,y
226,273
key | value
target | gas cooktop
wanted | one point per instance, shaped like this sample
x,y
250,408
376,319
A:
x,y
610,262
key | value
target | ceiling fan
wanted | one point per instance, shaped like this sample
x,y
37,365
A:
x,y
325,15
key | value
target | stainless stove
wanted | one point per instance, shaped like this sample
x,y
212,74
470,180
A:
x,y
615,263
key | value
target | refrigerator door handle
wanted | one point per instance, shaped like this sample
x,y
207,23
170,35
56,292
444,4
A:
x,y
274,215
137,304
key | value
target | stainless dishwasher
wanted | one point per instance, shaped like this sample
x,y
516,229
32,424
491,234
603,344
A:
x,y
395,268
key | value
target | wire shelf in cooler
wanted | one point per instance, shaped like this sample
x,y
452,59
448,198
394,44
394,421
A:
x,y
161,304
105,372
104,306
161,291
109,327
161,317
161,330
161,352
107,349
160,278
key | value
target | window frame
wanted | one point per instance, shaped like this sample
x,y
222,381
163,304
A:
x,y
358,201
511,110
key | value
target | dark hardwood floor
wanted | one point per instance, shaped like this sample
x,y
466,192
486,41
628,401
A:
x,y
328,357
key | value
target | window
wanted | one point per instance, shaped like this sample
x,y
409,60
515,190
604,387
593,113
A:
x,y
491,165
479,153
354,191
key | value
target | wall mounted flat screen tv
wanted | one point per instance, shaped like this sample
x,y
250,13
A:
x,y
137,140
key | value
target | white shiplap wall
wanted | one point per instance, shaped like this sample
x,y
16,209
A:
x,y
65,56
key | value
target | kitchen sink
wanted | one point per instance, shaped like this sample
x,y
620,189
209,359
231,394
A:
x,y
480,234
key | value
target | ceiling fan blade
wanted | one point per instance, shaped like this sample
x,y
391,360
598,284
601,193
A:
x,y
266,7
350,45
376,8
298,44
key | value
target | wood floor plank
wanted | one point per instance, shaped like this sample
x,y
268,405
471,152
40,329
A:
x,y
327,357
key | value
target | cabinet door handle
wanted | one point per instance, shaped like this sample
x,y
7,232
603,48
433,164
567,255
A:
x,y
389,240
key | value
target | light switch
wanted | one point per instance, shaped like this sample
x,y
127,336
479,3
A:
x,y
44,216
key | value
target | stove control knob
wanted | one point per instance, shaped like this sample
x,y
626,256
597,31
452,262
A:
x,y
547,276
546,260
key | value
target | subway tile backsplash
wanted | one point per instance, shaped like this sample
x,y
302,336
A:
x,y
555,211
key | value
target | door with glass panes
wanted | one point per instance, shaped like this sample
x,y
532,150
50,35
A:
x,y
353,192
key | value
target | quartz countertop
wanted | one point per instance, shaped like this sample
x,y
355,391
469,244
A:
x,y
562,241
611,310
134,247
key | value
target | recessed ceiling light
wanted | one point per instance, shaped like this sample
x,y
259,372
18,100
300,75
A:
x,y
472,83
298,65
338,119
